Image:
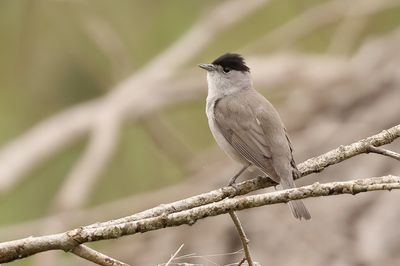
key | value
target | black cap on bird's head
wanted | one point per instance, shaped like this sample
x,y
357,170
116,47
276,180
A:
x,y
231,61
227,62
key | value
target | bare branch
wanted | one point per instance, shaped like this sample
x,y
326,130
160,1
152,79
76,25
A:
x,y
312,165
243,238
164,215
385,152
67,241
96,257
317,164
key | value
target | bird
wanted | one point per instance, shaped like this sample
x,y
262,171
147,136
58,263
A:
x,y
247,127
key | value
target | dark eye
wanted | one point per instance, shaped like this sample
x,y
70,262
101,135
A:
x,y
226,69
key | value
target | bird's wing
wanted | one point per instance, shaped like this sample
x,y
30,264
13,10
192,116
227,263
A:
x,y
296,172
241,128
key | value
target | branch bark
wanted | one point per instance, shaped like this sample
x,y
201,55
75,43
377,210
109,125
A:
x,y
188,211
313,165
67,241
317,164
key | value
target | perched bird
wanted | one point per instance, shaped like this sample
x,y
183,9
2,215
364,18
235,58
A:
x,y
247,127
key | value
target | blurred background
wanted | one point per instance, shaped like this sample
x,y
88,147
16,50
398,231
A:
x,y
102,115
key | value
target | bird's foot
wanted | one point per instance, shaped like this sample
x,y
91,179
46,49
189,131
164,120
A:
x,y
232,181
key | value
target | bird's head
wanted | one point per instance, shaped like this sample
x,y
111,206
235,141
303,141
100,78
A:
x,y
227,74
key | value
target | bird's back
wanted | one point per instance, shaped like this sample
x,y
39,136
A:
x,y
251,124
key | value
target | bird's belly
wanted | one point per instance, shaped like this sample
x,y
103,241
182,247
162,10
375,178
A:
x,y
224,144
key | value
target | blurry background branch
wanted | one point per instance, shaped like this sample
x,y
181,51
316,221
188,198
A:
x,y
130,98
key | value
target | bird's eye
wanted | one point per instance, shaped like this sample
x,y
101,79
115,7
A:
x,y
226,69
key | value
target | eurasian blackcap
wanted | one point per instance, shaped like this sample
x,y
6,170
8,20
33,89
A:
x,y
246,125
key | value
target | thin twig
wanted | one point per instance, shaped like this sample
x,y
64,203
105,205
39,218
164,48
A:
x,y
174,255
238,224
385,152
96,257
241,262
194,255
243,237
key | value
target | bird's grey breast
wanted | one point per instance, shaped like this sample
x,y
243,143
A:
x,y
217,134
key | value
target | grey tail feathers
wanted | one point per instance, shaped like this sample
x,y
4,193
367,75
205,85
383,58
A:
x,y
297,207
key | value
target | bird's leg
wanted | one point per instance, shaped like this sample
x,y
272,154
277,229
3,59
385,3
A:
x,y
233,179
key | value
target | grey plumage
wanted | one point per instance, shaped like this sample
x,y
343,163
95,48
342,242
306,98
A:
x,y
247,127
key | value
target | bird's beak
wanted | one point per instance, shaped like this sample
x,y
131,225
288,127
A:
x,y
208,67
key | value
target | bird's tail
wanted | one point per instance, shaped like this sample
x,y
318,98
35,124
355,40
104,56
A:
x,y
297,207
